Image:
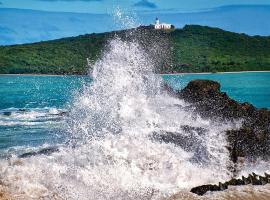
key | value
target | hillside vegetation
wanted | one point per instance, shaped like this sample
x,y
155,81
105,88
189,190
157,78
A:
x,y
204,49
192,49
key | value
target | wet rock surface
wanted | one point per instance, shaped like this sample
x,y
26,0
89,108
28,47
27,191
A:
x,y
252,139
252,179
45,151
189,141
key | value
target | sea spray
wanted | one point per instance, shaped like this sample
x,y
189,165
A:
x,y
125,19
114,151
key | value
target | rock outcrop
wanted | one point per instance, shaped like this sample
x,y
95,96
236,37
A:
x,y
45,151
252,139
252,179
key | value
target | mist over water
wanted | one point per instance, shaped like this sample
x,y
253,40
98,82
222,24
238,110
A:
x,y
114,150
112,153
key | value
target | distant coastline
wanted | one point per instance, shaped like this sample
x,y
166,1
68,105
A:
x,y
167,74
192,48
43,75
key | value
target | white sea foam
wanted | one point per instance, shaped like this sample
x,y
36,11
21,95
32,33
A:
x,y
20,150
113,151
30,117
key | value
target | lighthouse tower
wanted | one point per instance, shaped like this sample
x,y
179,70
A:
x,y
159,25
157,21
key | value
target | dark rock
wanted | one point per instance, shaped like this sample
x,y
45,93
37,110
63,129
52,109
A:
x,y
189,141
29,154
246,180
249,142
7,113
63,113
201,190
252,139
252,179
235,182
263,180
46,151
223,186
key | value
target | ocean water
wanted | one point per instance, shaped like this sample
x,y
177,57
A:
x,y
110,127
32,107
252,87
36,110
108,132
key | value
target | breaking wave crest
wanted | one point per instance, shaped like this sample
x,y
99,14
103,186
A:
x,y
30,117
116,149
128,138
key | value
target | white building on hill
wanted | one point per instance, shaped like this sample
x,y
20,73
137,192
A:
x,y
159,25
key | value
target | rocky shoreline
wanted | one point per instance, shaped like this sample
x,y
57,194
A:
x,y
249,142
252,139
252,179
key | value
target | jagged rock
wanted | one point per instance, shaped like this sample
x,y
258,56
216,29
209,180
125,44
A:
x,y
63,113
254,180
254,175
223,186
235,182
188,141
211,102
251,179
264,180
45,151
246,180
252,139
201,190
7,113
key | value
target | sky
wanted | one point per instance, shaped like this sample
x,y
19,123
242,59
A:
x,y
106,6
27,21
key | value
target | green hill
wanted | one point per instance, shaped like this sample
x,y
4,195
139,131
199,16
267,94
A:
x,y
204,49
191,49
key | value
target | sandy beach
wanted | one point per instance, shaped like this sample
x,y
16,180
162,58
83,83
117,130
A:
x,y
4,195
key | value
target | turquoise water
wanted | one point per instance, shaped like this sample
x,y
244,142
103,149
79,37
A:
x,y
32,107
252,87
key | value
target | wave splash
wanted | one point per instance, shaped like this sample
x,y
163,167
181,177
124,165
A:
x,y
30,117
116,151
